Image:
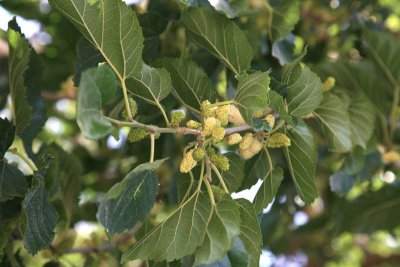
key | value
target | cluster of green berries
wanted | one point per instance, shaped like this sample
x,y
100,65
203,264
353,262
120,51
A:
x,y
133,107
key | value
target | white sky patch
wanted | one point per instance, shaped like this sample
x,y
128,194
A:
x,y
28,27
248,194
112,143
84,228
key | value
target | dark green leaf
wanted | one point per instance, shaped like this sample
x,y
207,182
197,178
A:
x,y
190,83
268,189
304,92
179,235
12,182
220,36
7,134
301,158
232,8
222,228
384,49
20,51
87,56
252,93
92,122
375,211
250,231
276,102
129,201
256,168
282,17
234,176
40,217
335,122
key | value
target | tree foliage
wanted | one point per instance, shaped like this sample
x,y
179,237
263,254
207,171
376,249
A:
x,y
171,108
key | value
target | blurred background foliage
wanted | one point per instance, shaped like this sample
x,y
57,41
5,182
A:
x,y
333,231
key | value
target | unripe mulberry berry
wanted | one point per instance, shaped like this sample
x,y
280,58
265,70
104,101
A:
x,y
234,139
187,163
193,124
199,154
278,140
137,134
176,117
207,109
218,134
328,84
234,116
246,141
210,124
134,109
220,161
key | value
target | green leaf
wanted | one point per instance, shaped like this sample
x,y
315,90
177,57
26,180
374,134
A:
x,y
335,121
375,210
276,103
179,235
384,49
7,134
12,182
256,168
153,85
40,217
341,182
304,92
190,84
234,176
301,157
93,123
362,119
129,201
252,94
220,36
112,27
20,51
268,189
87,56
282,16
250,231
222,228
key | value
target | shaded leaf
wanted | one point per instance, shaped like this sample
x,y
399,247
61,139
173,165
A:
x,y
92,122
384,49
276,103
40,217
7,134
87,56
341,182
282,17
129,201
190,84
252,94
268,189
375,211
335,122
232,8
301,157
250,231
234,176
222,228
220,36
12,182
179,235
256,168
